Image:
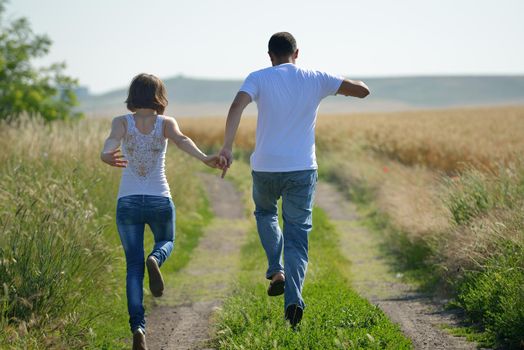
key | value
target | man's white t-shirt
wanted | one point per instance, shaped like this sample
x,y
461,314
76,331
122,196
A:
x,y
287,99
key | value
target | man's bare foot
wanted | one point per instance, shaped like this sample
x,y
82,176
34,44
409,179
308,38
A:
x,y
276,286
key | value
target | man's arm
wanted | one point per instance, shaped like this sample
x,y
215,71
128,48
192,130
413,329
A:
x,y
355,88
110,154
242,99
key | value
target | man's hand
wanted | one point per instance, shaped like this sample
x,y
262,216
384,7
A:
x,y
227,155
114,158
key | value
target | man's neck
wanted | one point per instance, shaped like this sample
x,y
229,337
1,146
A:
x,y
285,60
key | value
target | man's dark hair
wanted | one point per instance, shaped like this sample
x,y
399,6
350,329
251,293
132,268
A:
x,y
282,44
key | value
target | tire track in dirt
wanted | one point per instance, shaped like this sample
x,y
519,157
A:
x,y
181,318
420,317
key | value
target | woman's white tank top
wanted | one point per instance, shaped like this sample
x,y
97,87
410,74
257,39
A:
x,y
145,155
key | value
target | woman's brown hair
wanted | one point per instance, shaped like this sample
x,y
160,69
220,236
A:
x,y
147,91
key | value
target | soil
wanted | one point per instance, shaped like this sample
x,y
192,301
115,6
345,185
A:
x,y
421,317
181,317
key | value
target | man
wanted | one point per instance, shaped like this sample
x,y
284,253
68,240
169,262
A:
x,y
283,162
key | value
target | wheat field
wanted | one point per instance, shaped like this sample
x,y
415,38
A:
x,y
451,179
439,139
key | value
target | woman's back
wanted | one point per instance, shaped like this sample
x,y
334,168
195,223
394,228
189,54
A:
x,y
145,153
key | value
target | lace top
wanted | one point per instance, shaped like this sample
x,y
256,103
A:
x,y
145,154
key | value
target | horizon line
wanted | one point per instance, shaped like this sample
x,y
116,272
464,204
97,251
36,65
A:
x,y
393,76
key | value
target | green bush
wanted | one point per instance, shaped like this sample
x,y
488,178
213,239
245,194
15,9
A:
x,y
24,89
494,296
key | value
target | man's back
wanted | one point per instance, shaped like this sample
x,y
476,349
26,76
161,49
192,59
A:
x,y
287,98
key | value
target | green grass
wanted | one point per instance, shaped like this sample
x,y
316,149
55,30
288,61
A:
x,y
335,316
494,298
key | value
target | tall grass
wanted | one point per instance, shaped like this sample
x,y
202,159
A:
x,y
52,255
487,241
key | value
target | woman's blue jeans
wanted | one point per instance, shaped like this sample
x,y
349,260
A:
x,y
297,189
132,213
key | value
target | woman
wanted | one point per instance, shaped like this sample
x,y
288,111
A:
x,y
144,196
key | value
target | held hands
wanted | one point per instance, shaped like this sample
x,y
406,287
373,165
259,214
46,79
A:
x,y
214,161
114,158
221,161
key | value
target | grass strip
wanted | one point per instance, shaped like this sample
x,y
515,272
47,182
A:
x,y
335,318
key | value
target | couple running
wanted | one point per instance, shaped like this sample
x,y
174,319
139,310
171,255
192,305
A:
x,y
283,165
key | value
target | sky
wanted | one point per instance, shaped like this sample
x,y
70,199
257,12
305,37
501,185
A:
x,y
106,42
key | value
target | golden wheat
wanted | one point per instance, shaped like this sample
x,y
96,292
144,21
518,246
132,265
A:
x,y
439,139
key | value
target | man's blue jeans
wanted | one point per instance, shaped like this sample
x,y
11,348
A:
x,y
132,213
297,189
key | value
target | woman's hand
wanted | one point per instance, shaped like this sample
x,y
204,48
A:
x,y
114,158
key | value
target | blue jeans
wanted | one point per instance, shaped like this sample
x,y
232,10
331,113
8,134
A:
x,y
297,189
132,213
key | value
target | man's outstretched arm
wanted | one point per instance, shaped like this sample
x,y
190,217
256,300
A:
x,y
242,99
355,88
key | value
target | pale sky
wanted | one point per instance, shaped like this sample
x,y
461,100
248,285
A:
x,y
106,42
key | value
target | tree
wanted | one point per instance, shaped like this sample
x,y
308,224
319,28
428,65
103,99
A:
x,y
26,90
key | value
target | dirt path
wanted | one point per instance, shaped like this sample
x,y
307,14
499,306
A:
x,y
419,316
181,318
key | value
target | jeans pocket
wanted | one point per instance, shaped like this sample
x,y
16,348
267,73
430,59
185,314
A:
x,y
127,211
161,212
158,203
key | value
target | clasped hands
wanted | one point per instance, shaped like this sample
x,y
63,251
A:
x,y
222,160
